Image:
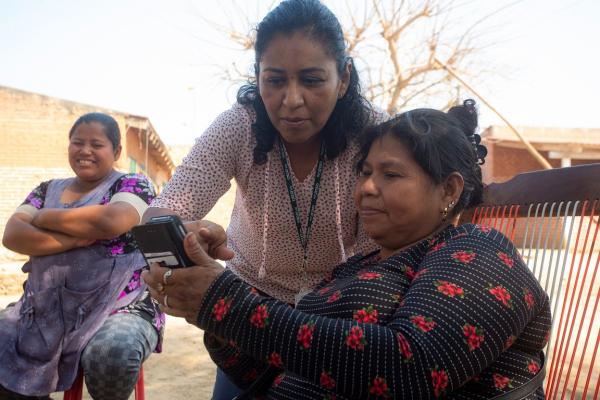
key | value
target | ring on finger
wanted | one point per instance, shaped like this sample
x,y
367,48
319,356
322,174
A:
x,y
165,302
166,276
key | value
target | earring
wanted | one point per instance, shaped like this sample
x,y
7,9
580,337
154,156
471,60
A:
x,y
447,210
445,214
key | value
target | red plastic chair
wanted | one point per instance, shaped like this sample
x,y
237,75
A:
x,y
552,217
76,391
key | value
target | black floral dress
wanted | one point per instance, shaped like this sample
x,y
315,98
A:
x,y
458,315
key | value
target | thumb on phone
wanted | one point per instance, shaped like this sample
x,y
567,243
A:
x,y
194,250
217,244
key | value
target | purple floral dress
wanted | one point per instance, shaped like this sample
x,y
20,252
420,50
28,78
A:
x,y
140,303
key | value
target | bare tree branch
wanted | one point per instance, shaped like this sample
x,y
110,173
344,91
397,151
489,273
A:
x,y
395,43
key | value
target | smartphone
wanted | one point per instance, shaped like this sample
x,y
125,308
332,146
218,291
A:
x,y
161,241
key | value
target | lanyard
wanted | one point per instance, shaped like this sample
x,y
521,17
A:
x,y
303,237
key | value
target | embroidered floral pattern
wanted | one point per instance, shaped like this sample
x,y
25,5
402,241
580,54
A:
x,y
501,381
533,367
529,299
506,259
501,294
278,379
367,315
326,380
379,387
355,338
484,228
275,360
439,381
404,347
449,289
474,336
409,272
423,323
324,290
509,342
437,247
305,334
464,257
260,317
221,308
334,297
368,275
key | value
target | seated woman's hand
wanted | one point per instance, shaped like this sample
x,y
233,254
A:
x,y
212,238
182,290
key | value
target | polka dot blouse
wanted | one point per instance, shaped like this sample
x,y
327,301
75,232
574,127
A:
x,y
262,230
457,316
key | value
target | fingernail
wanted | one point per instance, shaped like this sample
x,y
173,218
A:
x,y
191,238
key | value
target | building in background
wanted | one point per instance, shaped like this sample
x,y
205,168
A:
x,y
34,134
562,147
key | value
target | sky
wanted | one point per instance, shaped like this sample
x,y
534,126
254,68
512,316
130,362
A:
x,y
164,59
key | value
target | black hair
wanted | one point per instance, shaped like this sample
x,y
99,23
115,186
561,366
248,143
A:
x,y
351,113
109,125
441,143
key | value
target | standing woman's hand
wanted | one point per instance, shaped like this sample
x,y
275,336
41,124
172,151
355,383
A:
x,y
182,290
212,238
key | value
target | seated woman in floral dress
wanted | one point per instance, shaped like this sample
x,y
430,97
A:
x,y
84,305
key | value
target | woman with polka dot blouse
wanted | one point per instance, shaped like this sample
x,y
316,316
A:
x,y
290,144
439,311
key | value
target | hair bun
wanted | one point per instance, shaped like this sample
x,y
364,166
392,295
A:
x,y
466,115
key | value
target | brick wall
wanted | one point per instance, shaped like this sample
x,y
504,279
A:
x,y
34,134
503,163
17,183
34,129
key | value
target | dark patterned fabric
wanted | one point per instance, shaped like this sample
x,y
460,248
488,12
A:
x,y
458,315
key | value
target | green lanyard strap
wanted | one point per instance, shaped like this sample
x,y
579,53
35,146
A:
x,y
303,237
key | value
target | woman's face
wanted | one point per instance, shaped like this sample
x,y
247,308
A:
x,y
300,85
398,202
91,154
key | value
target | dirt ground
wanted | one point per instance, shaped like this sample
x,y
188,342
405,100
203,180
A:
x,y
182,371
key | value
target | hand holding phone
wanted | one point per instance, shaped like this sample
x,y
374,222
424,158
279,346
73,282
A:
x,y
161,241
